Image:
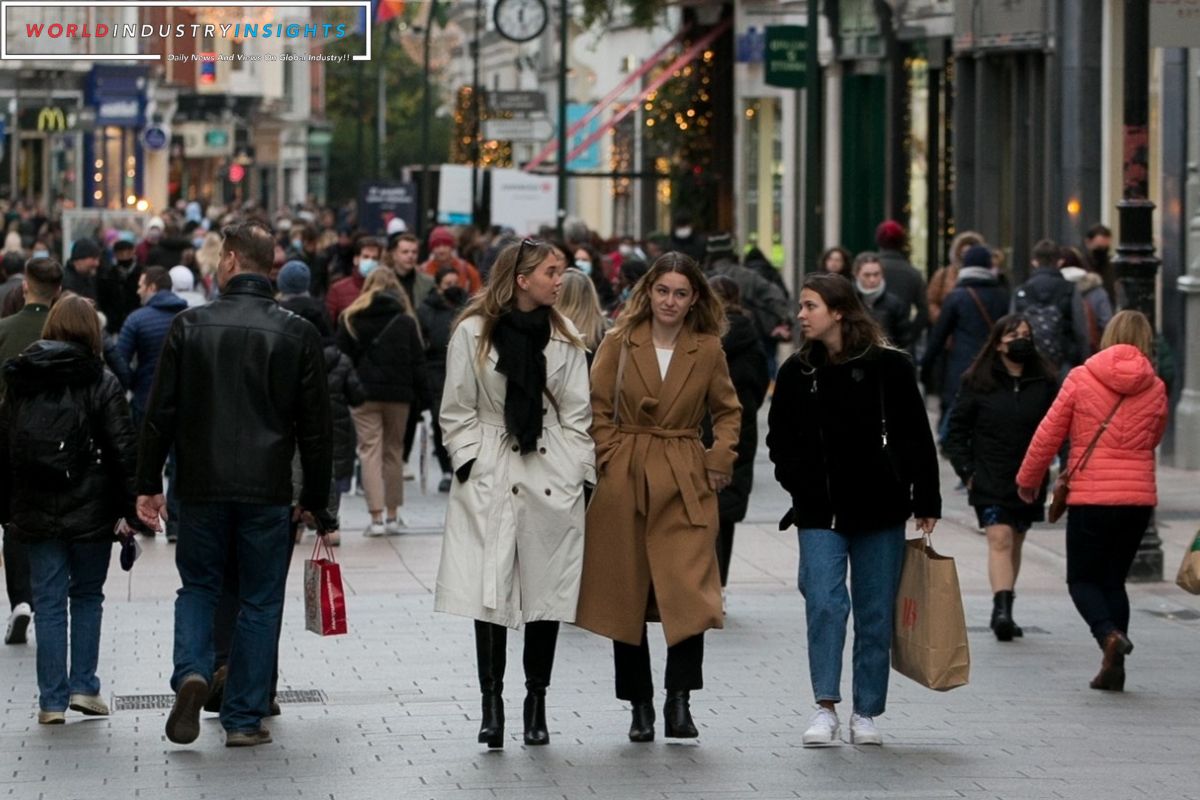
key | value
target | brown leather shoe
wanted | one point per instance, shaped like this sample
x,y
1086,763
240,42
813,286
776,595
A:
x,y
1112,668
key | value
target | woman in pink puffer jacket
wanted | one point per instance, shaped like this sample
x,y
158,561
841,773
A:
x,y
1113,495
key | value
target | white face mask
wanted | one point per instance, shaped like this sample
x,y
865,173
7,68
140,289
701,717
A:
x,y
626,250
583,266
683,232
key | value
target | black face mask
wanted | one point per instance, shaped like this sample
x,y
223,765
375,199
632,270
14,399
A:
x,y
455,295
1021,351
125,263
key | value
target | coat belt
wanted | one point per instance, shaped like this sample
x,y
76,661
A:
x,y
643,435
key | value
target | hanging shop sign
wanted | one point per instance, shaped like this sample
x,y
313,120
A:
x,y
382,201
785,56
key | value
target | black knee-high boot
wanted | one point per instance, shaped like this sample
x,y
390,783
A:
x,y
540,641
491,654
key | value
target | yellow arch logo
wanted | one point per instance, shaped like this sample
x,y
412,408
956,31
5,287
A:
x,y
51,119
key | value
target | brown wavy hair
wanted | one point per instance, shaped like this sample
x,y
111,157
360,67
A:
x,y
981,376
860,331
706,316
73,319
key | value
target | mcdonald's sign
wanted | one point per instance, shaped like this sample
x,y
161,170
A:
x,y
51,120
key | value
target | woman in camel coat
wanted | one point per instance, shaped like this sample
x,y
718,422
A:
x,y
650,548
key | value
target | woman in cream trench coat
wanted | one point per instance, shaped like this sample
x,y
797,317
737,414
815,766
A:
x,y
652,522
513,545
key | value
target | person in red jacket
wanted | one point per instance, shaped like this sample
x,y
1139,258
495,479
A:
x,y
1116,401
441,252
367,255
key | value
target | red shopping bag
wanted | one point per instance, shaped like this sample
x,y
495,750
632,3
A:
x,y
324,599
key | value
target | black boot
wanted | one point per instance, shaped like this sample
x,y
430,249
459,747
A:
x,y
641,729
540,641
678,716
490,653
1016,629
1002,622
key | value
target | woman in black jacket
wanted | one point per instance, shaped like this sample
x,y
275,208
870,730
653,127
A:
x,y
68,453
381,337
851,444
748,371
437,313
1004,396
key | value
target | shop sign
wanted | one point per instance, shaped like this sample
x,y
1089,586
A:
x,y
1174,23
46,119
786,56
205,140
381,201
523,102
155,138
124,111
523,201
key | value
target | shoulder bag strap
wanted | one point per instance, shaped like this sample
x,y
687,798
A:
x,y
982,308
1087,454
883,413
616,415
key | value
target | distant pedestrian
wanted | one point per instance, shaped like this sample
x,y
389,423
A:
x,y
577,301
13,267
1097,308
836,260
851,444
343,292
905,280
886,309
1113,409
402,256
515,417
441,254
1054,307
380,335
183,284
68,453
652,523
145,330
684,238
42,287
1005,394
945,278
294,283
241,384
437,315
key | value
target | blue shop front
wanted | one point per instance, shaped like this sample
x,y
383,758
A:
x,y
113,154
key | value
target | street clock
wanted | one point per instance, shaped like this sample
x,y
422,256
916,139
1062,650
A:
x,y
521,20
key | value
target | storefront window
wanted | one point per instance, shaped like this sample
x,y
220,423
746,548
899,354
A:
x,y
762,176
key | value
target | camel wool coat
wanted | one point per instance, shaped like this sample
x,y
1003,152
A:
x,y
512,550
650,552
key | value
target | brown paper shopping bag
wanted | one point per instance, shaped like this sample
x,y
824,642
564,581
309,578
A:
x,y
1188,578
929,640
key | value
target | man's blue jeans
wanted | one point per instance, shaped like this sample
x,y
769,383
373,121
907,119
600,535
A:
x,y
875,559
59,570
261,536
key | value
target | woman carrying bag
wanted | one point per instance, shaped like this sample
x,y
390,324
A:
x,y
851,444
652,522
1004,396
515,415
68,452
1113,409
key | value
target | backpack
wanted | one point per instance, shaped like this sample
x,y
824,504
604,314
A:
x,y
51,442
1048,319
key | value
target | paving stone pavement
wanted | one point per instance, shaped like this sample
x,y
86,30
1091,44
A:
x,y
400,700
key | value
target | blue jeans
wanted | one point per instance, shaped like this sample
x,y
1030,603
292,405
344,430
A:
x,y
60,569
261,537
875,559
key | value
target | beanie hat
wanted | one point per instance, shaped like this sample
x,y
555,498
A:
x,y
85,248
294,278
719,244
396,225
977,256
439,236
155,222
890,234
182,279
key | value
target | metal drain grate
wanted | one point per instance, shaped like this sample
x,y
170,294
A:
x,y
1025,628
150,702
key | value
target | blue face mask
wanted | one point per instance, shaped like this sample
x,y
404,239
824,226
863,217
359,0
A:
x,y
583,266
41,253
297,244
198,242
366,266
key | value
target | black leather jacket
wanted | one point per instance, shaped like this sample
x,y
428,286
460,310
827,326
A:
x,y
240,385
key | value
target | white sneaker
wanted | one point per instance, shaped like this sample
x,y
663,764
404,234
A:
x,y
394,527
18,624
863,730
374,529
822,729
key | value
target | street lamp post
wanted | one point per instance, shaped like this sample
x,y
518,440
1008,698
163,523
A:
x,y
563,34
1136,264
423,220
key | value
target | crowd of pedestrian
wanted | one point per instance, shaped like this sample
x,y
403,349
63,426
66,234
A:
x,y
593,413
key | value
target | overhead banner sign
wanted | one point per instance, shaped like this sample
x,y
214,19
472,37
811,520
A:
x,y
1174,23
785,56
523,201
589,158
454,195
379,202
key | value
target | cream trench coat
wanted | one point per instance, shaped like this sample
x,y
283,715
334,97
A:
x,y
513,547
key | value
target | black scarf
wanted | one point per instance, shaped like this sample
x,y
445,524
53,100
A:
x,y
520,339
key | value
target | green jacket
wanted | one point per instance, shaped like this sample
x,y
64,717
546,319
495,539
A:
x,y
19,331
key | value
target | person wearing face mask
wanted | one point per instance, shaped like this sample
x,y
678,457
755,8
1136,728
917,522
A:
x,y
1097,243
887,309
437,313
589,261
684,238
1005,393
367,253
441,254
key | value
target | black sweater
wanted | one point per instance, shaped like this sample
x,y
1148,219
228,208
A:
x,y
825,437
387,352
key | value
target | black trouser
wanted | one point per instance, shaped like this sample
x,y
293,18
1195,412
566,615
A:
x,y
410,429
491,654
16,571
1102,542
439,449
685,667
725,549
225,616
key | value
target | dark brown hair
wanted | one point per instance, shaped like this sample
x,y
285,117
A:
x,y
253,243
44,275
74,319
860,331
981,375
158,277
706,316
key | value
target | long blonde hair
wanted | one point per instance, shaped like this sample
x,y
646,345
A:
x,y
381,279
706,316
499,296
209,254
578,302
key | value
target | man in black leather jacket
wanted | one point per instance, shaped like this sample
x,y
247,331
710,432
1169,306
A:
x,y
240,386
